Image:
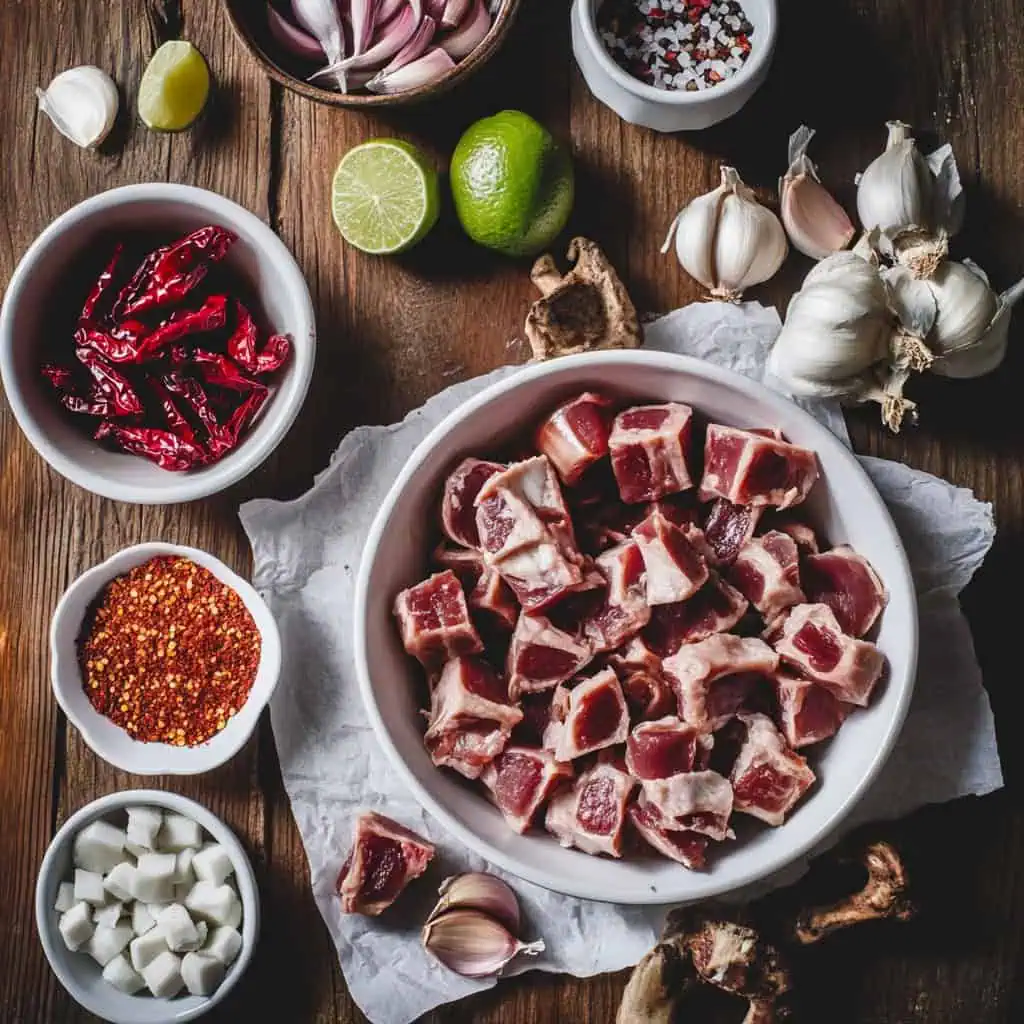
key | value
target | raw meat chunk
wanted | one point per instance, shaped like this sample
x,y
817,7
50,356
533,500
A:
x,y
808,713
811,641
541,575
802,534
636,656
624,610
847,583
648,696
649,445
458,509
675,569
688,848
486,591
715,608
520,780
768,778
541,656
575,435
597,717
767,573
384,859
470,717
693,802
434,620
713,677
656,750
728,527
591,814
748,469
606,524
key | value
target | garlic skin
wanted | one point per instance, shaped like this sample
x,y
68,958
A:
x,y
727,241
815,223
895,192
82,103
479,891
473,944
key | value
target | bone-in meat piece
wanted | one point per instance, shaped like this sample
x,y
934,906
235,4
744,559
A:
x,y
648,696
520,780
575,435
808,713
768,778
749,469
687,848
728,527
541,656
470,717
715,608
811,641
785,522
767,572
656,750
713,677
486,592
458,508
597,717
384,859
693,802
649,445
434,620
624,610
848,584
675,569
591,814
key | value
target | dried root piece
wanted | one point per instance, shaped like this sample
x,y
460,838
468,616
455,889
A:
x,y
587,309
657,985
884,896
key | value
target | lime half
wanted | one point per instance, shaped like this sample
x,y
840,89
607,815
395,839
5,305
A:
x,y
385,196
174,87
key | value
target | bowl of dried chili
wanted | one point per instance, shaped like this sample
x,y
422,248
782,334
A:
x,y
156,343
163,659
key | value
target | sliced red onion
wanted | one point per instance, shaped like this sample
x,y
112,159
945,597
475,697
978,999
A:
x,y
470,34
429,68
387,9
362,17
321,19
293,38
415,48
455,12
390,41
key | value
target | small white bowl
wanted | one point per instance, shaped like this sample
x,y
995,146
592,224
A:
x,y
259,257
80,975
844,505
672,110
110,741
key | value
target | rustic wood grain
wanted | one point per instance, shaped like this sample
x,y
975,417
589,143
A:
x,y
394,332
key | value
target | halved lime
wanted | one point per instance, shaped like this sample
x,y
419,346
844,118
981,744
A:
x,y
174,87
385,196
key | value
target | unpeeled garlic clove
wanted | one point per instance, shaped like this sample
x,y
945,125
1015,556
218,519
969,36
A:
x,y
82,103
425,70
815,223
895,192
479,891
473,944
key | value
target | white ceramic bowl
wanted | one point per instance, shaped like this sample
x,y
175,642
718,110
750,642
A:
x,y
110,741
844,505
259,257
661,109
79,973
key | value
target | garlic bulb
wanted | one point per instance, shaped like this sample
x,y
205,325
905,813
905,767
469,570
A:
x,y
728,241
895,192
816,224
82,103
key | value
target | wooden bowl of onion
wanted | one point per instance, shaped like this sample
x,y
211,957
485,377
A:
x,y
371,53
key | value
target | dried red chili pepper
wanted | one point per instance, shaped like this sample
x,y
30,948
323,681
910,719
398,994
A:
x,y
63,378
102,286
164,448
176,421
169,273
217,370
242,345
110,383
191,392
228,435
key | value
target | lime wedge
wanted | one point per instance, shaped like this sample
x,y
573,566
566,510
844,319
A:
x,y
385,196
174,87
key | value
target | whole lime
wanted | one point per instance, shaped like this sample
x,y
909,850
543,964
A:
x,y
512,184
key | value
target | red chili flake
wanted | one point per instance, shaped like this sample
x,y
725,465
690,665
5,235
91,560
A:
x,y
169,653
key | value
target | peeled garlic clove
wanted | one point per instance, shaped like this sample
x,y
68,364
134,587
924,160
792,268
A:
x,y
479,891
473,944
82,103
895,192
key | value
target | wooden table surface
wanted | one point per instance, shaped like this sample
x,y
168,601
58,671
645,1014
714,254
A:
x,y
393,333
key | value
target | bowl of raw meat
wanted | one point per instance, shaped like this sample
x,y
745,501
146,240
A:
x,y
635,628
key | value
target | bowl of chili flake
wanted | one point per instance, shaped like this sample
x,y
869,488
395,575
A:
x,y
156,343
163,659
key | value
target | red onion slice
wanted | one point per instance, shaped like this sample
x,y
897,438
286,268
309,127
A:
x,y
470,34
429,68
292,38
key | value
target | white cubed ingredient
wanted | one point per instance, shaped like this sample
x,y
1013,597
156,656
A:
x,y
202,973
225,944
65,897
146,948
163,975
212,864
142,920
202,930
120,881
217,904
181,891
175,925
183,870
234,916
108,915
89,887
144,826
154,877
135,849
75,925
106,943
178,833
120,973
98,847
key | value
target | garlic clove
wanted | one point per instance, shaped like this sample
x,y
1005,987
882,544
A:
x,y
479,891
425,70
694,228
895,191
390,41
82,103
473,944
470,34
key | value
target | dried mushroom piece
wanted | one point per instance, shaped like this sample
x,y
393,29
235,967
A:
x,y
586,309
657,985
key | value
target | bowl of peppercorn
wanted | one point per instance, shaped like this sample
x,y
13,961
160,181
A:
x,y
163,659
674,65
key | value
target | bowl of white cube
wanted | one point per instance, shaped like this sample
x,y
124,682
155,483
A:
x,y
147,908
